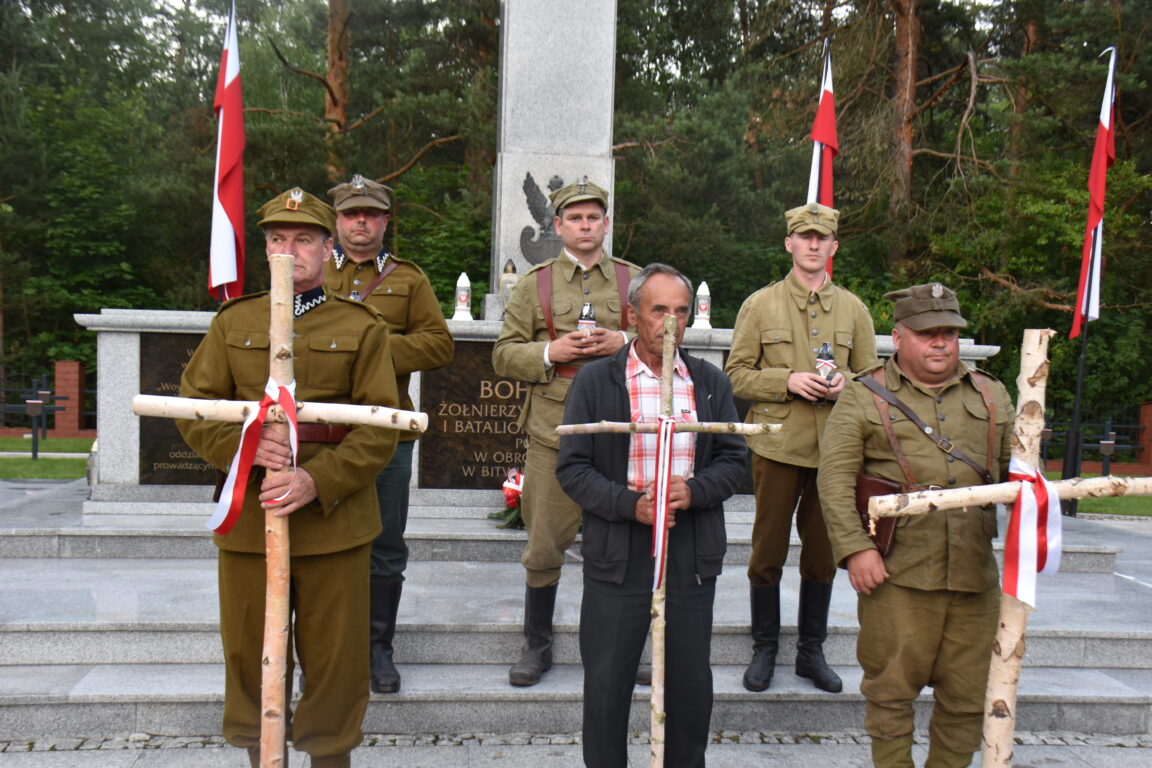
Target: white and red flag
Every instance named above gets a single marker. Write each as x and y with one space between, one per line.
226 257
1033 540
1103 155
824 143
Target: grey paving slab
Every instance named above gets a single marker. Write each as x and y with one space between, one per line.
532 756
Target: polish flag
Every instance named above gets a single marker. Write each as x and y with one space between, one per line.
1103 155
1034 537
824 143
226 259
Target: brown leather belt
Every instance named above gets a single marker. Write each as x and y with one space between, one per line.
320 433
567 371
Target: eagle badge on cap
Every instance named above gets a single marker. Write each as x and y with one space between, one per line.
583 185
295 197
358 183
937 291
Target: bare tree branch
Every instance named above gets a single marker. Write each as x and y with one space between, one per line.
364 119
306 73
292 112
648 145
416 157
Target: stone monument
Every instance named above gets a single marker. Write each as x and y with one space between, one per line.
554 123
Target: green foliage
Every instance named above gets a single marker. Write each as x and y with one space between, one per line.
107 147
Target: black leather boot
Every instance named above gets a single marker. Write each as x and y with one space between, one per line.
765 636
536 656
813 629
382 627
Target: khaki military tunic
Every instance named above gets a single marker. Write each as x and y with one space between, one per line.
933 621
550 517
778 331
519 351
341 356
948 549
341 352
419 336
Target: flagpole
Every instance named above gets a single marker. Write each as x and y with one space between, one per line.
1103 155
1073 449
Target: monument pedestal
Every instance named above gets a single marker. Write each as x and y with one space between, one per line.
143 467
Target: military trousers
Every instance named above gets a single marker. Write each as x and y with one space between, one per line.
329 604
614 623
551 519
389 550
782 489
912 638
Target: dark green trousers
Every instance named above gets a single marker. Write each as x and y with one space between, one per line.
551 519
912 638
329 595
778 486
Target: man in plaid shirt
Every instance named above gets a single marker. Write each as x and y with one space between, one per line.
611 477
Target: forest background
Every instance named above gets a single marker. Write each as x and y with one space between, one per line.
965 130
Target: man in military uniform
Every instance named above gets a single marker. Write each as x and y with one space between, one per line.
342 356
362 269
928 611
775 341
540 344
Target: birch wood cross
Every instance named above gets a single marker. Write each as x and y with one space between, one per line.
273 707
1008 648
659 622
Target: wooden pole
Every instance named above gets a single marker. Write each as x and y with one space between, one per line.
273 705
1008 648
659 622
318 413
926 502
720 428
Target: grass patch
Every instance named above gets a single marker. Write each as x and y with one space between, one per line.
20 468
45 445
1132 506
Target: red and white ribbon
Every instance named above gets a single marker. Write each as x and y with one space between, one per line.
231 501
1032 544
664 435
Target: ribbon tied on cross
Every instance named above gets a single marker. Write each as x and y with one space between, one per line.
231 500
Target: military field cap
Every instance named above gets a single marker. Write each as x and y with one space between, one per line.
931 305
813 217
361 193
297 207
578 192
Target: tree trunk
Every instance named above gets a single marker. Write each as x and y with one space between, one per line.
336 97
905 71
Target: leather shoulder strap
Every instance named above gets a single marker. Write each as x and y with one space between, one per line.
945 445
544 291
622 280
981 382
391 265
886 420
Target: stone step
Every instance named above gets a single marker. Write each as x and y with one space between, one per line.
88 611
187 699
475 538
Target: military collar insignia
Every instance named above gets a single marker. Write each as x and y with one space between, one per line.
339 258
308 300
295 197
358 183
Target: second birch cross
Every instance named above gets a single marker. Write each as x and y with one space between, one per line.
1008 648
659 593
